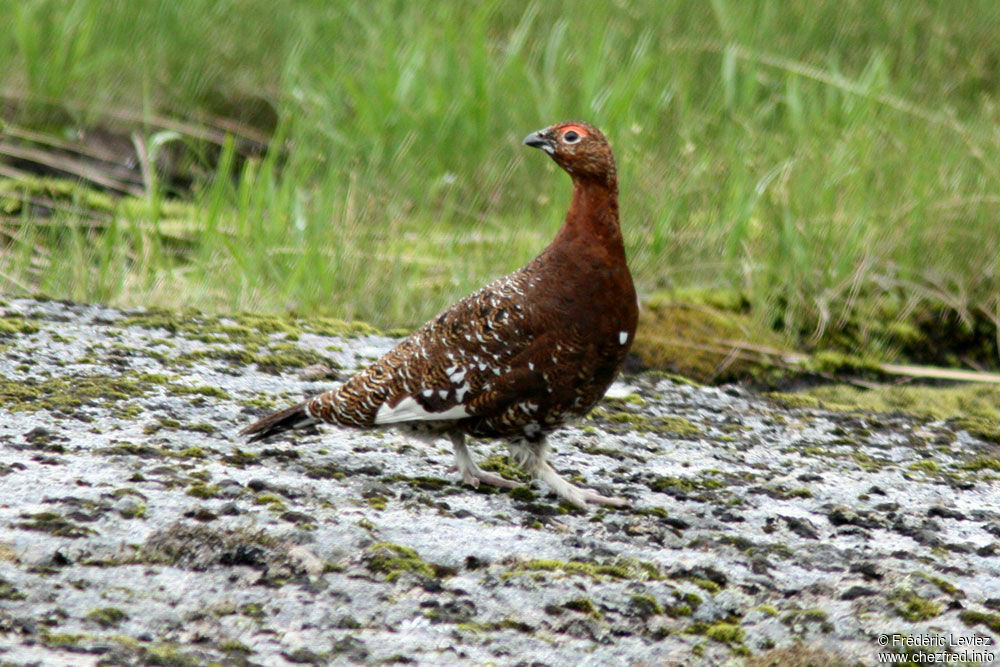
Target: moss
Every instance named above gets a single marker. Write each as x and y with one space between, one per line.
54 524
136 511
815 614
912 607
252 610
945 587
639 423
272 501
107 617
376 501
691 333
625 569
707 585
69 393
869 463
584 606
9 592
293 358
798 655
329 326
503 466
523 493
325 471
393 560
645 605
782 492
973 407
793 401
12 325
203 390
677 610
984 428
419 482
240 457
770 610
725 633
983 463
676 426
683 484
972 618
234 646
624 401
60 640
192 453
203 490
927 465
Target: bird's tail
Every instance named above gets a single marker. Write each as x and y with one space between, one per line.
288 419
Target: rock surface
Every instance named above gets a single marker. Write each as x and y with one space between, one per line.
136 528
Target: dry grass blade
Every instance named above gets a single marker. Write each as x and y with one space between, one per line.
12 172
255 139
923 372
93 152
69 166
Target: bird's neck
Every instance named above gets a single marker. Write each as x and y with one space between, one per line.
593 217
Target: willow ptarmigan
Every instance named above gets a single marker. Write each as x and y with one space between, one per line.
520 356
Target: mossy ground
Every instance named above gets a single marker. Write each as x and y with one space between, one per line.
710 336
698 335
973 407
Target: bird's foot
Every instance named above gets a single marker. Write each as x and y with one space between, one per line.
579 496
473 474
476 475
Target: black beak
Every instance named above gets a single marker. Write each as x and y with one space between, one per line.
539 140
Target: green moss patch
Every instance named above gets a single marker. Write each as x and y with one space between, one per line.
973 407
625 421
9 592
972 618
912 607
393 560
67 394
107 617
244 327
502 465
699 335
583 606
623 569
54 524
12 325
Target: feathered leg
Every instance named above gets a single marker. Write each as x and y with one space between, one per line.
532 457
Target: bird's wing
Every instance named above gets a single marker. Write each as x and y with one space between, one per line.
440 370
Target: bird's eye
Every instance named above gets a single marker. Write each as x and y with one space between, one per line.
571 137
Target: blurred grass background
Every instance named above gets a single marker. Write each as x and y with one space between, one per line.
834 164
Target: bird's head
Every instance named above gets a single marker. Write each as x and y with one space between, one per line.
577 147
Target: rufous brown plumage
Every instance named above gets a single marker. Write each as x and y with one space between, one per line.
519 357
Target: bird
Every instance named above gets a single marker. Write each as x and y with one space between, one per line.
518 358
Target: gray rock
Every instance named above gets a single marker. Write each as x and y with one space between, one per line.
128 501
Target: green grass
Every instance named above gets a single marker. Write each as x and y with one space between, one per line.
837 162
